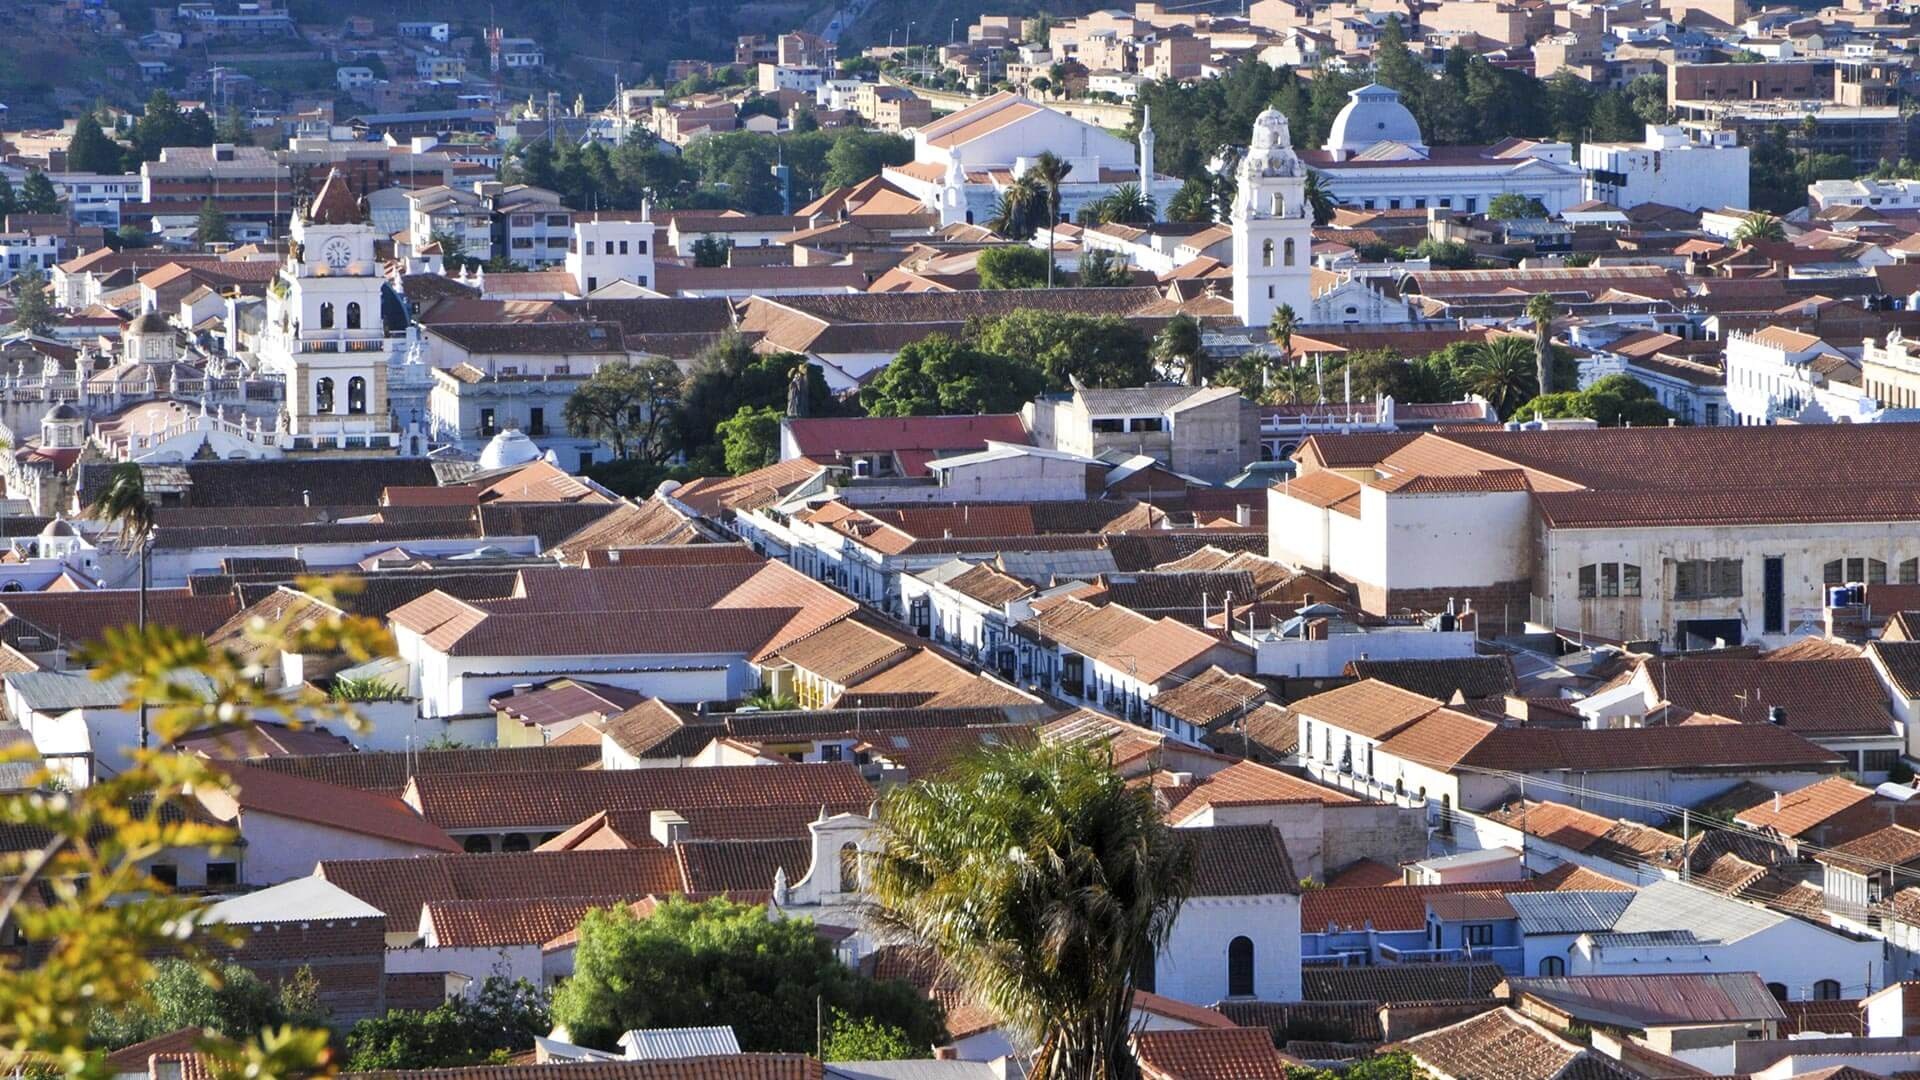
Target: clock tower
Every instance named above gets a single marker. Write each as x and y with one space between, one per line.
1272 227
324 333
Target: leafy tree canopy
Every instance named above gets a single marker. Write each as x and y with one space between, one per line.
939 375
1614 401
1101 350
718 962
466 1030
1012 266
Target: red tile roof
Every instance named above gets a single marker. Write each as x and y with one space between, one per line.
1245 783
400 886
1842 696
712 1067
1504 1045
365 812
549 802
1795 812
1233 1053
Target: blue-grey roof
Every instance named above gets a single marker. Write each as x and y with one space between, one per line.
1576 912
1669 905
652 1043
1646 939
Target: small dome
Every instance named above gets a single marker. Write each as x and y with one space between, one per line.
507 449
1373 114
57 528
64 411
151 323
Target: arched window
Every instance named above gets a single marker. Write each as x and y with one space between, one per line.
1826 990
1289 252
516 842
353 316
478 845
849 867
1266 253
356 395
323 396
1552 965
326 315
1240 967
1778 990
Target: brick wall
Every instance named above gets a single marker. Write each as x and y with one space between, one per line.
347 957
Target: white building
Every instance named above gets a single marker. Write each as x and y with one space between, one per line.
324 335
609 247
1693 171
1376 158
1272 227
1775 374
963 162
1866 191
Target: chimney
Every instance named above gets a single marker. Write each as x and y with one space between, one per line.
1776 802
669 828
1777 716
1243 515
946 1053
306 497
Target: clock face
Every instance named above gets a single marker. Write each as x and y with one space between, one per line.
337 253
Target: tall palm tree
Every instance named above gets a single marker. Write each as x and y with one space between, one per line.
1128 205
123 502
1179 345
1013 213
1502 371
1761 227
1048 172
1280 328
1540 309
1290 386
1319 197
1040 879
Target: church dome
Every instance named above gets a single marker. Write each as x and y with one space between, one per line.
58 528
507 449
1373 114
151 323
64 411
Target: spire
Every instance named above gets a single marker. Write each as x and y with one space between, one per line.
335 204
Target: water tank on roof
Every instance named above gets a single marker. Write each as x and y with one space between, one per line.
507 449
1837 596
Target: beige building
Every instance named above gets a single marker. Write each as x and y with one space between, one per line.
1209 433
1511 24
1890 371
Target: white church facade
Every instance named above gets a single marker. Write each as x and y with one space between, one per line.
1377 159
1272 227
962 162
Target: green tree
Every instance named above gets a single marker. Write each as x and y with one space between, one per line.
1502 371
1042 879
1513 206
90 151
132 236
1541 311
1319 197
719 962
1099 350
1193 202
161 125
751 438
1049 170
1760 227
867 1039
1126 204
1614 401
37 195
632 406
1280 328
711 251
212 226
180 995
939 375
728 376
9 202
32 305
1014 266
504 1016
1014 211
1104 268
1179 348
1445 254
857 155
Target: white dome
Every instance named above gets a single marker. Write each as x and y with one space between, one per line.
507 449
58 528
1373 114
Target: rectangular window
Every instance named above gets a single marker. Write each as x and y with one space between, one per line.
558 221
589 247
523 242
165 873
623 247
1609 579
486 422
1587 589
221 875
1477 935
639 247
830 752
1879 761
537 422
1629 579
1700 579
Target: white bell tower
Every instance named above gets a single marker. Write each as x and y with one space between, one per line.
1272 227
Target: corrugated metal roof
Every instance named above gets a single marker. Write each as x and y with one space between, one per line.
1568 912
650 1044
1669 905
1642 1001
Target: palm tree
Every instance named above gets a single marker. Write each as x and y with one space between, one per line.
1179 345
1760 227
1502 371
1129 205
1290 386
1048 172
1319 198
1280 329
124 503
1040 879
1012 214
1540 310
